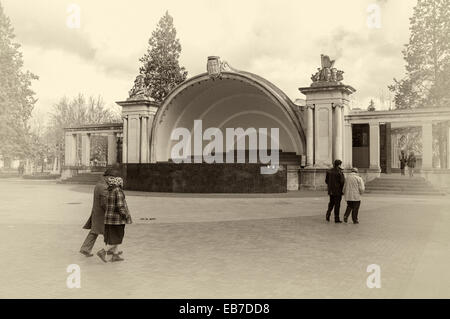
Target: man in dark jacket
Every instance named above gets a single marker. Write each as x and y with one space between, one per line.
335 181
96 222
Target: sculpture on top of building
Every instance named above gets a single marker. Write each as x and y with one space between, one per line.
215 67
139 90
327 74
371 106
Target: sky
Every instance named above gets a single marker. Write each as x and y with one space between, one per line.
279 40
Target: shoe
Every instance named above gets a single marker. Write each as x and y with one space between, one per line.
86 253
116 257
109 252
338 221
345 220
357 222
327 217
102 255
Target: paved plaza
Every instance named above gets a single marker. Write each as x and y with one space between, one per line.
224 246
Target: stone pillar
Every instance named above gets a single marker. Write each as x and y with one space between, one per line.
144 140
374 150
151 156
427 145
328 123
310 136
125 141
293 182
448 148
112 149
138 119
134 136
338 133
55 166
86 149
348 146
70 149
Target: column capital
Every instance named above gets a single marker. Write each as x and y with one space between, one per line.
337 105
310 106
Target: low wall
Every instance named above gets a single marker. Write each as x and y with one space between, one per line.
437 177
313 178
203 178
369 174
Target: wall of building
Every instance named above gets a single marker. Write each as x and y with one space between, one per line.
203 178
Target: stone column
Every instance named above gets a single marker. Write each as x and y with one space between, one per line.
86 149
328 123
338 135
137 129
427 145
112 149
68 150
310 136
144 140
134 138
348 146
125 141
374 145
448 148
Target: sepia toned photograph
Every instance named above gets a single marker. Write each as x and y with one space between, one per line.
209 149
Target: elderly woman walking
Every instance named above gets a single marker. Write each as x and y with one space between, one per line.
116 216
353 189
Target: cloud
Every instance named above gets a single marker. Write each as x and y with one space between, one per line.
278 40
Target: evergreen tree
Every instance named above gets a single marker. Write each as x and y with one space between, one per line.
427 56
16 97
161 69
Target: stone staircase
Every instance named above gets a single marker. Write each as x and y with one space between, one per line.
83 178
402 185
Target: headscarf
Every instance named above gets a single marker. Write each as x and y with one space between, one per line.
114 181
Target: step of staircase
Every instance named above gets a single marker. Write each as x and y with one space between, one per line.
83 178
402 185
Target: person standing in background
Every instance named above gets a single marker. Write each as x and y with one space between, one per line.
403 160
411 164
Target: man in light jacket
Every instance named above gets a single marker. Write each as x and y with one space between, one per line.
353 189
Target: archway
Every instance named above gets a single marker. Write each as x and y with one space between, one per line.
233 100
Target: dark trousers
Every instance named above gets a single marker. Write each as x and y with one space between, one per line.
89 242
335 201
353 207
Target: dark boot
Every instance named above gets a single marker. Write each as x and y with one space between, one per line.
102 255
87 254
109 252
116 257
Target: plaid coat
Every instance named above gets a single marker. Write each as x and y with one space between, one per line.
116 208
